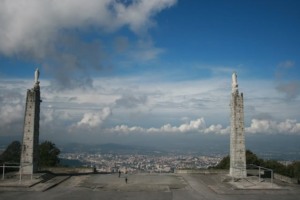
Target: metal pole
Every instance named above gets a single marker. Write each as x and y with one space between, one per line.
272 177
20 174
258 173
3 170
31 174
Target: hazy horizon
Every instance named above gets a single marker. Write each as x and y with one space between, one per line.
264 146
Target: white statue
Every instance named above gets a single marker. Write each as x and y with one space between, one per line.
234 82
36 75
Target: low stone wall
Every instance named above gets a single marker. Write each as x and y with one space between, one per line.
220 171
68 170
285 179
200 171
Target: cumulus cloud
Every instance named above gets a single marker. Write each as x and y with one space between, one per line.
92 120
32 24
193 127
138 14
48 32
124 129
266 126
217 129
198 126
10 114
49 116
11 107
156 108
11 119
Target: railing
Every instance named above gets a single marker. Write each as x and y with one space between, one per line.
254 168
260 169
14 165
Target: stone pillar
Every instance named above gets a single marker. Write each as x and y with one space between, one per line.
237 136
29 152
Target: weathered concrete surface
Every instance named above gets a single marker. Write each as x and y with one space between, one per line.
237 135
38 182
152 186
68 170
201 171
29 150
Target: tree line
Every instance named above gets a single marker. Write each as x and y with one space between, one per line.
292 170
48 154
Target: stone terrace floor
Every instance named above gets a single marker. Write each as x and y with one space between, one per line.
151 186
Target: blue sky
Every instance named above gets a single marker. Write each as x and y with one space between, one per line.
118 70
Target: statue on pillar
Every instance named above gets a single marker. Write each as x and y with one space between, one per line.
36 77
234 83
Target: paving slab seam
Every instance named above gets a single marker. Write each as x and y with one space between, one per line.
57 183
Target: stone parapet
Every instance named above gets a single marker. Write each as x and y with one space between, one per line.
200 171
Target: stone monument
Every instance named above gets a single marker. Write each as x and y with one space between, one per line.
29 152
237 136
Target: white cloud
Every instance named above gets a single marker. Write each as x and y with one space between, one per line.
50 115
50 32
266 126
92 120
198 126
194 127
124 129
32 25
10 114
141 105
11 106
138 15
217 129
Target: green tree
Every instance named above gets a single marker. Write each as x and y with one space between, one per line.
224 163
48 154
295 169
292 170
12 153
276 167
252 158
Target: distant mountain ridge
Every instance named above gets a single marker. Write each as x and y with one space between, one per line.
265 146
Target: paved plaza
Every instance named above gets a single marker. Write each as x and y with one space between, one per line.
147 186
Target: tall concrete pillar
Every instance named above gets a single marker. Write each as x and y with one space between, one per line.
237 136
29 153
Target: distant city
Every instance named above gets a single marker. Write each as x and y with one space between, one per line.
136 159
139 163
112 157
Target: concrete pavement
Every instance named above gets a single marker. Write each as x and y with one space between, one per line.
152 186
